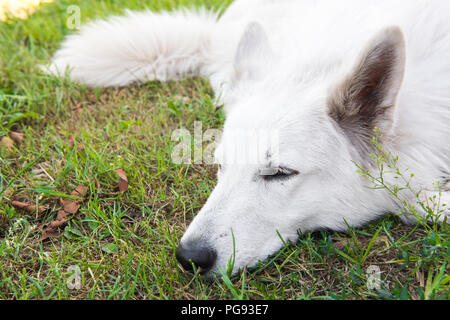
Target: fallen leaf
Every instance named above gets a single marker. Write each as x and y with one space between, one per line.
17 137
49 233
50 230
71 143
7 142
123 181
70 208
28 207
78 107
79 191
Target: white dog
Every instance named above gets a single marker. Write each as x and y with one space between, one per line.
323 74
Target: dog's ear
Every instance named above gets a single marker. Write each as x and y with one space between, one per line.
253 52
366 98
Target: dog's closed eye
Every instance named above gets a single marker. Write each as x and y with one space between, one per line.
277 174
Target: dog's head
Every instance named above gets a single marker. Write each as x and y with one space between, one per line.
297 172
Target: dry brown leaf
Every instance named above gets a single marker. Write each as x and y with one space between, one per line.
70 208
59 221
51 233
28 206
50 230
63 215
78 107
71 143
79 191
123 181
17 137
7 142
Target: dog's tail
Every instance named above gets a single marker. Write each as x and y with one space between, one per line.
139 46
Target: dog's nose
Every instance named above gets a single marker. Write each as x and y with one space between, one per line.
202 257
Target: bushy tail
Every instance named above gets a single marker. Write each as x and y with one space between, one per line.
139 46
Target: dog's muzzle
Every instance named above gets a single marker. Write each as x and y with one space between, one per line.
202 257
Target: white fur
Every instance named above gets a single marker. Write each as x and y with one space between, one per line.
139 46
278 77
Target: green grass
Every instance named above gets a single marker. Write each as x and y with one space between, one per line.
124 244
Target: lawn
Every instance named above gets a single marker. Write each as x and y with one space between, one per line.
120 239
